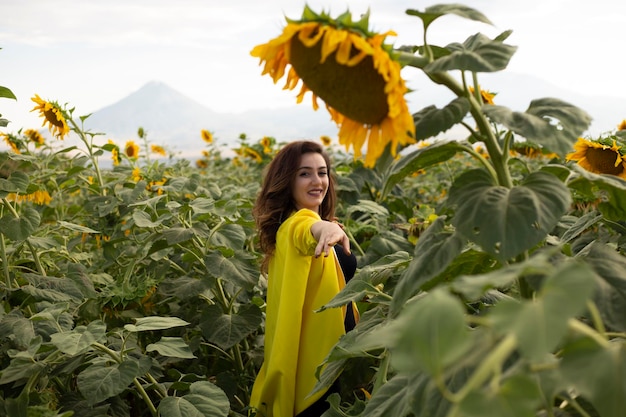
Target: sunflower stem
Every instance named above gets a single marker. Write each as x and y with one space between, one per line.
411 60
89 145
353 241
596 318
381 375
491 365
482 160
38 264
5 264
496 156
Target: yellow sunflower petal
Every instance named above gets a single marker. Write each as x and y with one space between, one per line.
332 40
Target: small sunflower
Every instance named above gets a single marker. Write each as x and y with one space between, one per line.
131 150
531 151
352 71
206 136
622 125
248 152
115 153
202 163
266 142
35 137
11 141
326 140
53 115
486 96
602 156
158 150
156 186
40 197
136 174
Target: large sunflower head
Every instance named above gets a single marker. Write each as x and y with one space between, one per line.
601 156
53 115
352 71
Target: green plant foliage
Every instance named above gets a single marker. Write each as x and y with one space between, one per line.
537 124
490 281
507 221
477 54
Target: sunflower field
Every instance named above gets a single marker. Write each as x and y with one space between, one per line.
491 274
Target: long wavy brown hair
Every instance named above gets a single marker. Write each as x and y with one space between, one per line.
275 201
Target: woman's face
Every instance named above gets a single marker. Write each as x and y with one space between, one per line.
311 183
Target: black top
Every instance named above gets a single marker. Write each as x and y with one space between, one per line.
348 266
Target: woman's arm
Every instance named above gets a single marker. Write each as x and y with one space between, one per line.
327 235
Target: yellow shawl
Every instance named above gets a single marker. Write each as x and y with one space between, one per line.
297 339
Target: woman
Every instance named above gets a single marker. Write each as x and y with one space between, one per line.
294 214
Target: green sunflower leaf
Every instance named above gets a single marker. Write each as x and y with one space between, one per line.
173 347
17 182
143 324
80 339
101 381
20 228
598 373
432 13
430 121
610 297
6 93
613 206
477 54
204 400
237 267
364 282
506 222
226 330
416 160
142 219
429 334
436 248
517 396
549 122
539 324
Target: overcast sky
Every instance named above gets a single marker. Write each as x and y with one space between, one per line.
92 53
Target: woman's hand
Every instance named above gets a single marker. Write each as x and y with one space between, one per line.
328 234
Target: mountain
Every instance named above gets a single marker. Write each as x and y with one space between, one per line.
516 91
174 120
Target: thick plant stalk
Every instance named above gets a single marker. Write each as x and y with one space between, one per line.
496 154
5 264
90 153
491 364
